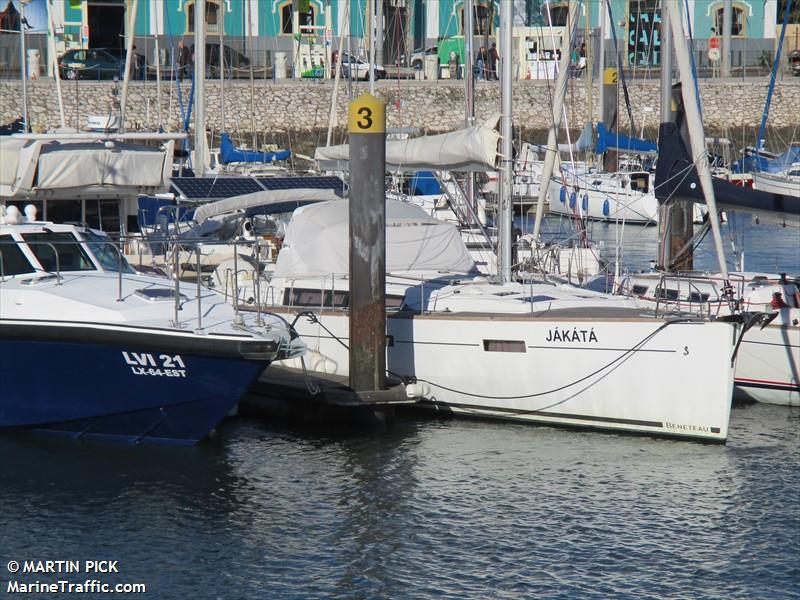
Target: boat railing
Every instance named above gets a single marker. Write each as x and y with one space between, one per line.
687 281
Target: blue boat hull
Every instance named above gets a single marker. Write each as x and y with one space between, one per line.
120 386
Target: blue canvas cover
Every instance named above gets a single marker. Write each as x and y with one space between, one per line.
228 153
424 183
608 140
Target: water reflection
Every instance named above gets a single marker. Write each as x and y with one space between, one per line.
423 509
766 246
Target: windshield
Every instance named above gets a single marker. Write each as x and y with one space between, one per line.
58 251
106 252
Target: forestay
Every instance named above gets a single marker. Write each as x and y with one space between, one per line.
317 242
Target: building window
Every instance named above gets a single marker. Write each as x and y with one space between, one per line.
559 14
306 18
737 20
213 15
482 20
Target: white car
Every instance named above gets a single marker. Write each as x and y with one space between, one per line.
360 68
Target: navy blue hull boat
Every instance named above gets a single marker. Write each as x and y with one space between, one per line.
91 349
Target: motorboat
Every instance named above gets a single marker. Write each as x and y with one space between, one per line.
93 350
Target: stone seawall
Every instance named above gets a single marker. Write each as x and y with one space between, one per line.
430 106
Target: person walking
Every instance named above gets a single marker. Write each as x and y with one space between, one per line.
184 59
480 63
494 59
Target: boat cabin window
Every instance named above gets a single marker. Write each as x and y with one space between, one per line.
640 290
503 346
640 182
666 294
71 257
12 259
320 298
106 253
698 297
329 299
394 301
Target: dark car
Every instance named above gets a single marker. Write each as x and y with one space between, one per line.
90 63
794 62
235 62
137 62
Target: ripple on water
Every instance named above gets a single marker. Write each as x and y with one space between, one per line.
424 509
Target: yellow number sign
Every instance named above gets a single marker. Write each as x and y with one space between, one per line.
367 114
610 76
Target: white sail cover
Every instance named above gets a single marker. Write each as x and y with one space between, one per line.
265 198
82 168
317 242
471 149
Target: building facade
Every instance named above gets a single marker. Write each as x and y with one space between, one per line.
311 29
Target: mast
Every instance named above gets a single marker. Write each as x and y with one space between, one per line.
337 77
506 214
696 131
379 32
130 10
558 106
200 88
222 70
469 84
773 76
23 67
372 32
601 55
727 22
252 80
56 75
675 219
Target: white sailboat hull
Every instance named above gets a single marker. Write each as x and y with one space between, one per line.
601 204
775 183
768 360
516 367
768 366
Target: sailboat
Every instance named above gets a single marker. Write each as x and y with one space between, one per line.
768 366
535 352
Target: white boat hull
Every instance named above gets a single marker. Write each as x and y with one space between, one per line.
768 360
505 367
602 204
768 366
775 184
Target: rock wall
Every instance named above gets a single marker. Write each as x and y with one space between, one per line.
431 106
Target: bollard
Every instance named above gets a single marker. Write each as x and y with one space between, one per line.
366 125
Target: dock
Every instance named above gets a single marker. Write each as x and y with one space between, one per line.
310 396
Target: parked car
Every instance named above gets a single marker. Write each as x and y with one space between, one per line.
359 67
794 62
235 62
90 63
416 60
137 63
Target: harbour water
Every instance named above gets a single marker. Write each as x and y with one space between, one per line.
425 508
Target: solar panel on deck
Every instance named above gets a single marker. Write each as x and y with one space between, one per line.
215 187
293 183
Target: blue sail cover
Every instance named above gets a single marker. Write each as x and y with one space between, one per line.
424 183
753 161
228 153
607 140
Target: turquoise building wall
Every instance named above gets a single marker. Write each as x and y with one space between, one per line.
173 16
